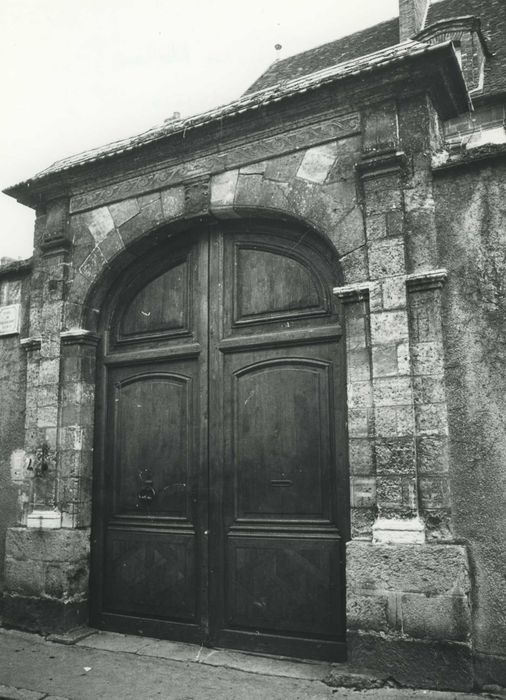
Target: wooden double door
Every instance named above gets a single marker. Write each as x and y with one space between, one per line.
220 505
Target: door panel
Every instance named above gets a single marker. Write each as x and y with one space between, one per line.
285 474
220 509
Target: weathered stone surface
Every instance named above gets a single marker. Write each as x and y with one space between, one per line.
361 456
438 617
432 454
428 569
354 266
99 222
283 169
395 455
62 545
359 365
363 492
172 202
392 391
223 188
359 394
389 327
415 664
431 419
386 258
111 245
318 162
394 421
43 614
367 612
360 422
124 211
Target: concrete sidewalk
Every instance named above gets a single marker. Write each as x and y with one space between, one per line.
91 665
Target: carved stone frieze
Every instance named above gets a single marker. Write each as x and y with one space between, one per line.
213 163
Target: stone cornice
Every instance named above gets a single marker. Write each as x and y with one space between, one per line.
79 336
353 292
422 281
31 344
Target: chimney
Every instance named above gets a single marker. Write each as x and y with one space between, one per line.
412 14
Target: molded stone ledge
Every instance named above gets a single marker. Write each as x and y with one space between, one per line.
30 344
79 336
423 281
353 292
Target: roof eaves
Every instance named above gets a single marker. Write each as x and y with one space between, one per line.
248 102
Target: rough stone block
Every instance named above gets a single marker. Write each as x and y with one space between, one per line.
93 265
376 227
359 394
124 211
432 454
44 614
367 612
354 266
394 292
392 391
361 456
24 577
360 422
428 390
65 581
431 569
317 163
111 245
431 419
172 202
386 258
414 663
395 455
389 327
283 169
99 222
389 492
33 545
223 188
394 421
434 492
358 365
427 358
349 234
438 617
363 492
384 361
362 520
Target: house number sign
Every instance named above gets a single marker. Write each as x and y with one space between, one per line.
9 319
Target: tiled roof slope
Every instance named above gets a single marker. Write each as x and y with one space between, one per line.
491 12
298 84
349 47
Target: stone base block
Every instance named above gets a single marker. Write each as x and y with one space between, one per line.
414 663
490 670
420 591
43 615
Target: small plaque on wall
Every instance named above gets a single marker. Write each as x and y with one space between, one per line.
9 319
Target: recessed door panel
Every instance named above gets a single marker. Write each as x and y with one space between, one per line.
151 574
271 283
285 473
153 420
162 305
284 586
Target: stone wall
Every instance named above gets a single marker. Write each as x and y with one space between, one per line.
13 497
471 217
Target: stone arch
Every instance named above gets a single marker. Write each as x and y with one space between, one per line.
106 237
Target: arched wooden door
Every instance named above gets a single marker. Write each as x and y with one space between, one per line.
220 505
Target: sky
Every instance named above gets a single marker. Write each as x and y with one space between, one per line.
77 74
